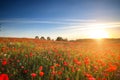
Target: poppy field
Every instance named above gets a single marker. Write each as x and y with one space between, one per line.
34 59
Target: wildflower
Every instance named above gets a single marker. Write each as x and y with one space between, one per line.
62 68
68 79
41 74
31 54
26 56
105 74
86 61
75 60
53 72
59 72
73 70
65 63
18 61
51 67
77 69
57 65
104 79
89 76
41 68
3 49
33 74
25 71
95 68
22 67
78 63
4 77
111 68
4 62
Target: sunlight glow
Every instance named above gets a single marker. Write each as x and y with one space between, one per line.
98 34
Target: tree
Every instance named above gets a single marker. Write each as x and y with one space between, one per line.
42 38
48 38
59 39
36 37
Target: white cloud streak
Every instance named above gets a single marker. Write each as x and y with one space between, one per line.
87 26
59 21
71 24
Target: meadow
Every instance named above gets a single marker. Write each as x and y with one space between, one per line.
34 59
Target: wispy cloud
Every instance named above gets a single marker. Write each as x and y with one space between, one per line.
29 21
70 24
79 20
92 25
37 20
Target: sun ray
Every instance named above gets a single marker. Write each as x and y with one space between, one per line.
98 34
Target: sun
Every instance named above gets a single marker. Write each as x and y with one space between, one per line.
98 34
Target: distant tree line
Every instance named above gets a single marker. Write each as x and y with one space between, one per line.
48 38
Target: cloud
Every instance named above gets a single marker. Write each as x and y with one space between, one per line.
37 20
92 25
69 24
79 20
28 21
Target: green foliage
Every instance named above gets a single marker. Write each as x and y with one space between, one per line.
36 37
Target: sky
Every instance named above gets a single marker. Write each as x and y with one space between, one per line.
72 19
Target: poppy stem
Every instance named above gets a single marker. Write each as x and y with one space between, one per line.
32 78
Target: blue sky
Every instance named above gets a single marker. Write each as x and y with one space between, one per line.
67 18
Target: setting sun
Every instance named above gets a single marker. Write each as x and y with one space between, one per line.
98 34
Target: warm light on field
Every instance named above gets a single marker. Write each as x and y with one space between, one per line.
98 34
34 59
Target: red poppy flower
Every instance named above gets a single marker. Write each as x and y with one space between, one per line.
4 62
25 71
59 72
3 49
111 68
57 65
33 74
4 77
89 76
41 74
53 72
51 67
65 63
31 54
41 68
86 61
